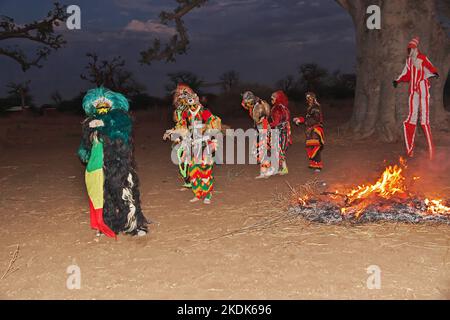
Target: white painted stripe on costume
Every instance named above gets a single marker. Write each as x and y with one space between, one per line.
420 71
128 197
410 107
415 108
409 147
421 103
423 113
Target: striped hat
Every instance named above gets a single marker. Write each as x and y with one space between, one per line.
414 43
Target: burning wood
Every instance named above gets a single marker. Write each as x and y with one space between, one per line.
389 198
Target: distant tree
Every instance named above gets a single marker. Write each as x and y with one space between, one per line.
348 81
56 98
341 85
144 101
73 105
229 80
41 31
287 84
8 102
187 77
111 74
227 103
20 91
312 76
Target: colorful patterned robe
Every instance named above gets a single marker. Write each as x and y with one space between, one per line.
315 137
201 162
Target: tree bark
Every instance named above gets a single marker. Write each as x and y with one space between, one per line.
380 57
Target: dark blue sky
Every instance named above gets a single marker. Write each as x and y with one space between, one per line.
264 40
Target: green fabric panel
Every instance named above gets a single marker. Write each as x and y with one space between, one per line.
183 167
96 159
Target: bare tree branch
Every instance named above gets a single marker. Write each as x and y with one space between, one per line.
229 80
111 74
11 267
187 77
42 32
179 43
20 57
287 84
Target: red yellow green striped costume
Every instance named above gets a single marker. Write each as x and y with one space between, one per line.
94 177
201 165
315 137
202 180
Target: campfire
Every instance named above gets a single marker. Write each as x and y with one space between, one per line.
389 198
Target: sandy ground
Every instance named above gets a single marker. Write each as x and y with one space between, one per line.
43 209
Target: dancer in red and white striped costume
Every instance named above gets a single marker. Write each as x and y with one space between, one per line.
417 71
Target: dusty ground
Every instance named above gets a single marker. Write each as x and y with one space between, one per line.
43 209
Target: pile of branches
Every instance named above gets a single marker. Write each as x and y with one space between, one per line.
327 212
314 204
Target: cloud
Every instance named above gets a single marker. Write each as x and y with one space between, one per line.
148 6
150 26
222 5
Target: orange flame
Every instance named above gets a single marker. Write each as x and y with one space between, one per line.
436 207
303 201
391 183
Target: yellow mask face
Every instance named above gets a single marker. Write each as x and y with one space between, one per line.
103 108
248 104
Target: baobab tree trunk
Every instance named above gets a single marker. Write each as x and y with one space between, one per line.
378 107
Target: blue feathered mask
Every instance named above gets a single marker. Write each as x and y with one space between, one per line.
102 100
